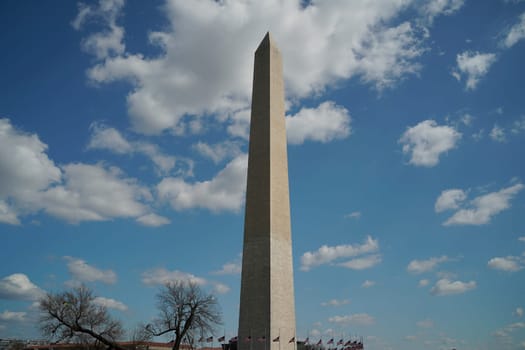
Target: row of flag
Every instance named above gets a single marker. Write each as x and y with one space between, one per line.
210 339
348 345
247 339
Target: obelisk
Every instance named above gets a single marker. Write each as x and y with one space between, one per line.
267 308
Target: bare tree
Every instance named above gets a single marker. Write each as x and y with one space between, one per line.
74 316
186 312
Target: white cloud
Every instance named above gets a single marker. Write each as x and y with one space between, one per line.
107 138
335 302
423 283
109 42
161 276
481 209
518 125
467 119
153 220
89 193
314 333
446 7
25 169
518 312
7 214
368 284
225 192
426 141
75 192
221 288
410 337
202 71
515 33
361 319
427 323
12 316
110 303
103 137
497 134
449 199
473 66
505 331
521 239
83 272
362 263
327 254
18 287
508 263
420 266
164 163
325 123
230 268
353 215
387 56
447 287
219 151
478 135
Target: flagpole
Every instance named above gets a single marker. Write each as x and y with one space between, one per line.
265 340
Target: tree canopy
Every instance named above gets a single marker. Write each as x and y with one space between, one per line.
186 312
74 316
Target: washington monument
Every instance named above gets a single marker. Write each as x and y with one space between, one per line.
267 310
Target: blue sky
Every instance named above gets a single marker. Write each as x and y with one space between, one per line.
123 140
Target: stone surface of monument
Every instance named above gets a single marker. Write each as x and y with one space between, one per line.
267 307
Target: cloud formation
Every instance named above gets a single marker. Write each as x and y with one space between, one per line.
515 33
507 263
13 316
472 66
449 200
368 284
420 266
225 192
161 276
325 123
108 42
18 287
361 319
497 134
426 141
480 210
25 169
230 268
81 271
74 192
107 138
326 255
335 302
201 71
445 286
110 303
